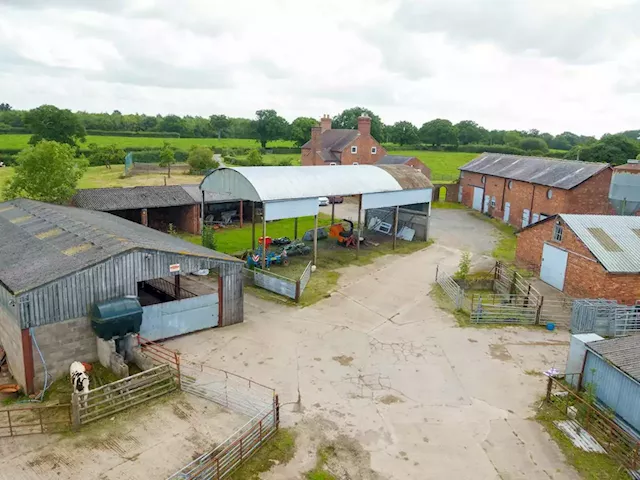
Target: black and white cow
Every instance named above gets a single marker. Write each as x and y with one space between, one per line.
79 377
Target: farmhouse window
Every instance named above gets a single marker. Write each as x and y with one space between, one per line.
354 149
374 150
557 233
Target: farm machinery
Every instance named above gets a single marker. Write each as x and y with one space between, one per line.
344 236
272 258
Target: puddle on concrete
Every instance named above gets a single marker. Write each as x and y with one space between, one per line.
343 360
389 399
499 352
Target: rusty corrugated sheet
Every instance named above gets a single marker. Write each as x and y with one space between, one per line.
232 298
408 177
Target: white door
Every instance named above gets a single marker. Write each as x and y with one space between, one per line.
487 199
477 198
525 218
554 266
507 212
460 194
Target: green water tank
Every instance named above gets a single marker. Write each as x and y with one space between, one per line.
117 317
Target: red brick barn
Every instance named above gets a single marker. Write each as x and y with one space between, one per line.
330 146
522 190
586 256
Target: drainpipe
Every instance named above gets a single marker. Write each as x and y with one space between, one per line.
27 357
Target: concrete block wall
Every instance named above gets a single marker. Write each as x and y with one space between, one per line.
61 344
11 341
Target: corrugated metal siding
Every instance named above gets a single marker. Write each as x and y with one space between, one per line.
620 228
232 297
73 296
614 389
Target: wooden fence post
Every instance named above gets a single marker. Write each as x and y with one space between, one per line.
539 311
549 387
297 290
75 409
437 268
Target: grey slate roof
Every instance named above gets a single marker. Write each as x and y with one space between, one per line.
598 231
42 242
393 160
333 142
209 197
564 174
623 352
110 199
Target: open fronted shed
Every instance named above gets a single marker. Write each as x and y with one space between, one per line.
292 192
57 262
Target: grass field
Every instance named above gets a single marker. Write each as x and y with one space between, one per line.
21 141
442 164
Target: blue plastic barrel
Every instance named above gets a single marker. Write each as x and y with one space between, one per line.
551 326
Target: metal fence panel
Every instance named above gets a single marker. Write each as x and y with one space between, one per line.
451 288
305 277
607 318
34 419
272 282
504 308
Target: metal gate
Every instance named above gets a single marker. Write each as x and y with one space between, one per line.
170 319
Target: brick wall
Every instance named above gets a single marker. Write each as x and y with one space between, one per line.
11 341
364 155
591 196
61 344
451 195
585 277
189 219
426 171
308 159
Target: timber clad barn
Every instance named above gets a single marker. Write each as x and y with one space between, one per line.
522 190
57 262
586 256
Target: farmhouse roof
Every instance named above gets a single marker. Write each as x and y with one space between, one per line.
43 242
394 160
613 239
564 174
334 141
622 352
130 198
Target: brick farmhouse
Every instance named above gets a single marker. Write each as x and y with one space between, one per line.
330 146
586 256
521 190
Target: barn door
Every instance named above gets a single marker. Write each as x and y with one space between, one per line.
507 212
525 217
554 266
487 199
477 198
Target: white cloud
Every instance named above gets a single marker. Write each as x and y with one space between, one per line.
555 66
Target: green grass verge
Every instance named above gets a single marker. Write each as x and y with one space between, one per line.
280 449
505 250
589 465
319 472
22 141
448 206
443 165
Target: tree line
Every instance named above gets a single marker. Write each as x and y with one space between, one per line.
268 126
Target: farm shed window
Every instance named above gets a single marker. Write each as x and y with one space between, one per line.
493 202
354 149
484 179
549 194
374 150
557 233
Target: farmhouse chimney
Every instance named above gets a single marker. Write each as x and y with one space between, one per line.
325 123
364 124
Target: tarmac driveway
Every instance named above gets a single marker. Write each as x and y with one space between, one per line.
398 388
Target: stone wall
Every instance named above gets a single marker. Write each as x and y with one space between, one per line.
11 341
61 344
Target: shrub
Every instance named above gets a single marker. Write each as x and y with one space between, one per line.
464 266
285 162
254 158
201 159
208 237
147 156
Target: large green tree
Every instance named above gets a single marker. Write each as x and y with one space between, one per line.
301 130
469 132
51 123
220 124
269 126
5 107
534 143
107 155
349 119
48 171
614 149
403 133
438 132
201 159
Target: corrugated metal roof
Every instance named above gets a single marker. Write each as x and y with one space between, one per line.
132 198
564 174
623 352
42 242
394 160
613 239
287 183
209 197
408 177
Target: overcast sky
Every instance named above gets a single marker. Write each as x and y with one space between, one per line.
554 65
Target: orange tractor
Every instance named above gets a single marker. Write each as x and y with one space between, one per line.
344 237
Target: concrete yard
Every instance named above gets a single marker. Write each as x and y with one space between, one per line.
151 442
381 370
